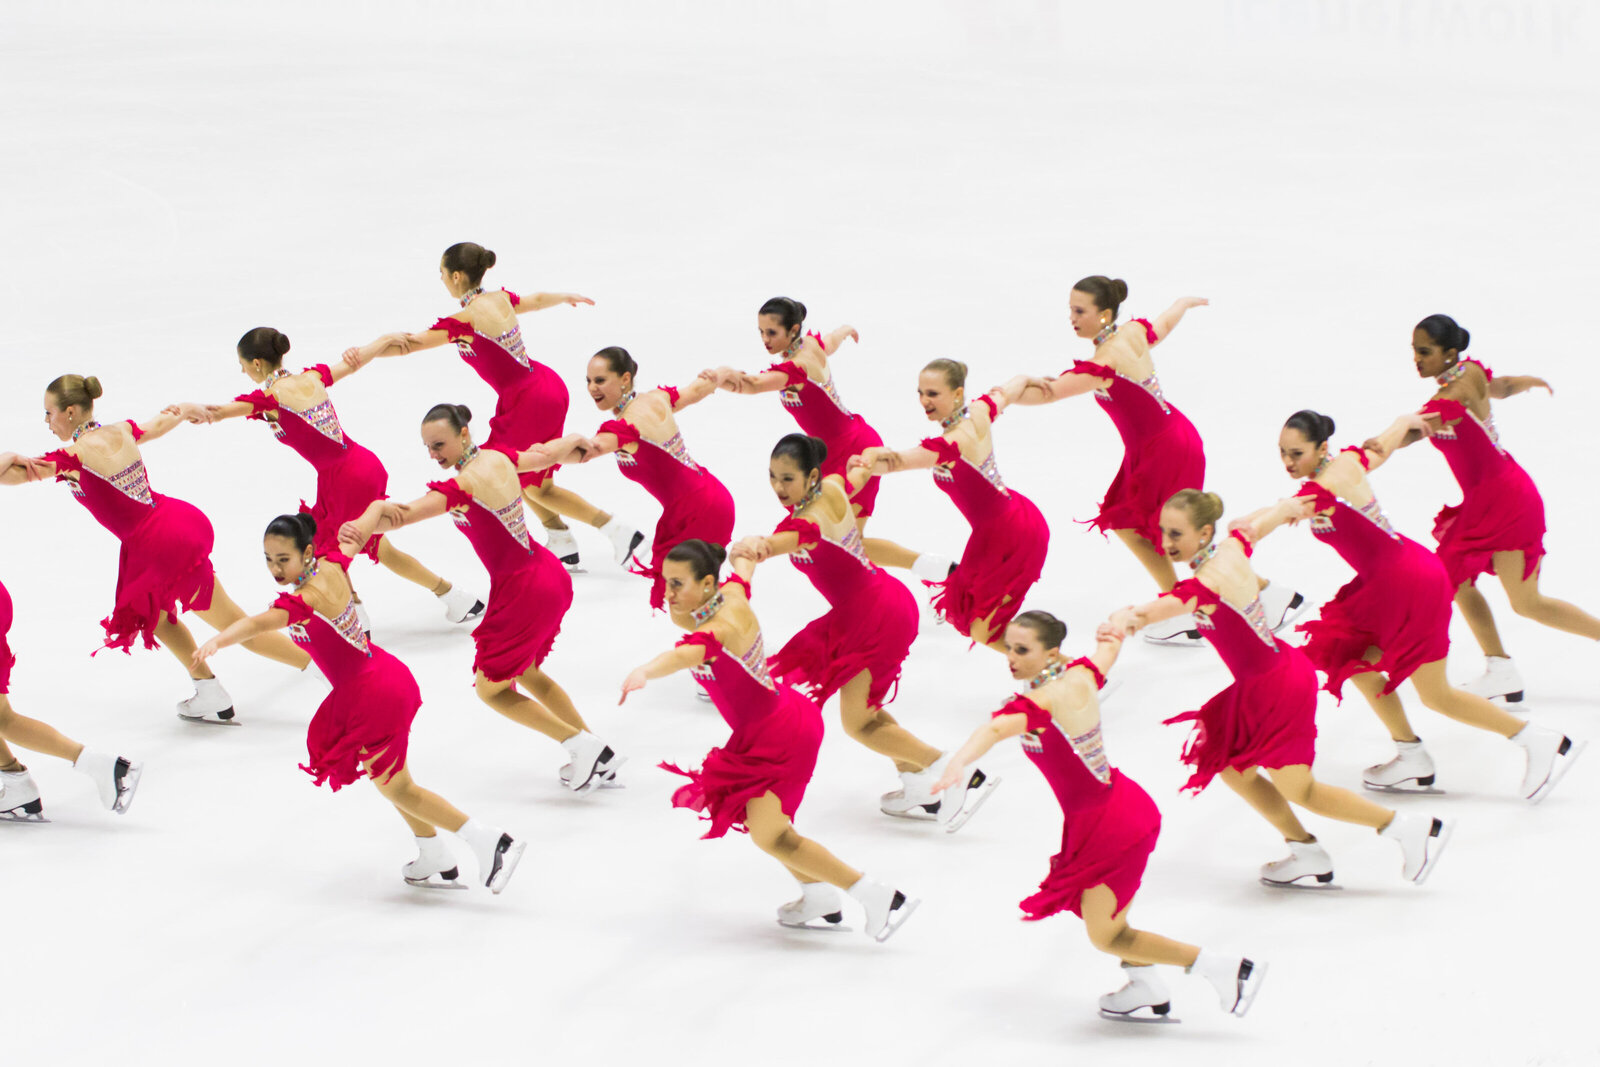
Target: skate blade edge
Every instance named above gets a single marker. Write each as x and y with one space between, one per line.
14 818
1143 1020
1312 887
965 814
425 884
1559 772
199 720
1399 791
819 927
905 910
916 815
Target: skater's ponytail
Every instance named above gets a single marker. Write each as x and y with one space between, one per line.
1445 332
1050 630
1108 293
954 371
457 415
703 557
74 390
791 314
1204 509
300 528
806 452
266 344
468 258
618 360
1313 426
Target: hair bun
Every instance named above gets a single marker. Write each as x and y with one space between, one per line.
1327 426
91 386
1464 337
488 259
463 413
719 553
799 309
280 343
1119 289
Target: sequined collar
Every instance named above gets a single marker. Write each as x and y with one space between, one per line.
794 346
84 428
1048 675
1454 372
806 501
467 457
1104 333
946 423
306 575
470 295
622 405
702 614
1323 464
274 376
1202 557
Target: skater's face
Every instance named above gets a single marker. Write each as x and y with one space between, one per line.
1300 456
684 592
789 481
1085 315
774 335
285 559
1179 538
445 443
1025 652
606 386
1431 358
938 400
61 420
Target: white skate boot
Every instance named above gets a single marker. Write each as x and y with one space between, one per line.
1422 839
1182 632
913 800
115 777
961 801
1308 866
625 539
1500 680
210 703
19 798
434 867
1411 771
497 852
1281 605
461 606
364 618
932 568
1143 1000
818 900
887 908
563 545
592 762
1237 979
1550 756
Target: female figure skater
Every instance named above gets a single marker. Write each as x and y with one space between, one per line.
1266 720
1109 825
1392 622
531 400
115 777
363 727
1006 551
650 451
301 415
755 781
529 590
165 564
858 647
1498 528
1162 452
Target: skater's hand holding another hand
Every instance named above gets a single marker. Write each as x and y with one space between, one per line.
196 413
755 548
1123 620
1107 632
634 682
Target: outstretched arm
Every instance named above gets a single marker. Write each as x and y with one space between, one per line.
834 338
243 630
158 425
1108 646
1512 384
16 469
881 460
696 391
1164 323
1262 521
762 548
1408 429
1128 620
681 658
737 381
540 301
573 448
977 746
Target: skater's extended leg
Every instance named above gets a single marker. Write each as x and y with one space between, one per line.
1263 796
1153 561
1297 786
1109 932
33 735
878 730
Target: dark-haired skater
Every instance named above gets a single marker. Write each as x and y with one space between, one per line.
650 451
755 781
858 647
1392 622
363 727
164 567
529 591
349 477
1109 825
1498 528
531 399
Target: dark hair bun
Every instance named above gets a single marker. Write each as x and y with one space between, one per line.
457 415
1119 290
487 259
1446 332
790 312
280 343
1313 425
91 386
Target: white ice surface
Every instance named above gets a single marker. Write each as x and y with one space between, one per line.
938 175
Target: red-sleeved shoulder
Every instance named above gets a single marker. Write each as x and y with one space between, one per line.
1487 373
1448 410
64 461
1361 456
1038 718
454 495
792 372
1244 542
513 297
947 451
1196 590
1088 664
734 579
809 532
1094 370
134 426
259 401
1320 493
672 393
817 337
324 373
505 450
994 409
1149 330
453 326
705 640
334 556
626 433
299 611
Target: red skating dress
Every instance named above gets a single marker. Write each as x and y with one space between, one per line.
1162 452
821 413
1006 552
374 697
8 659
529 590
1500 509
869 626
165 562
1268 716
349 477
1399 600
777 731
1109 826
694 505
530 398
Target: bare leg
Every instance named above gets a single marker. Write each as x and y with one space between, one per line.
1388 708
1158 565
552 497
33 735
1262 795
1109 932
1437 693
1480 619
544 689
1297 786
888 554
983 633
878 730
523 710
410 569
547 518
223 612
808 861
1527 601
420 808
176 638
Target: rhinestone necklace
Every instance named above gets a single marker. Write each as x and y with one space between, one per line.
84 428
1049 674
703 613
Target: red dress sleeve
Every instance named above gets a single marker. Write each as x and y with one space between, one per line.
1244 542
452 326
1448 410
1361 456
1094 370
260 402
1487 373
1318 492
334 556
994 409
625 432
324 373
792 372
817 337
505 450
513 297
672 394
134 426
1196 590
1088 664
734 579
1038 719
64 461
299 611
809 532
947 450
1149 330
707 641
454 495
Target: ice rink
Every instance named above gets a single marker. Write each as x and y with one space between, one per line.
1327 172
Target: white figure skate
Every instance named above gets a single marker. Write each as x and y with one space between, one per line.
1550 756
1500 681
461 606
1422 840
592 762
434 867
962 800
1281 605
1143 1000
564 546
913 799
19 798
1411 771
818 901
114 777
887 908
1237 979
497 852
1308 866
210 704
625 539
1181 632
